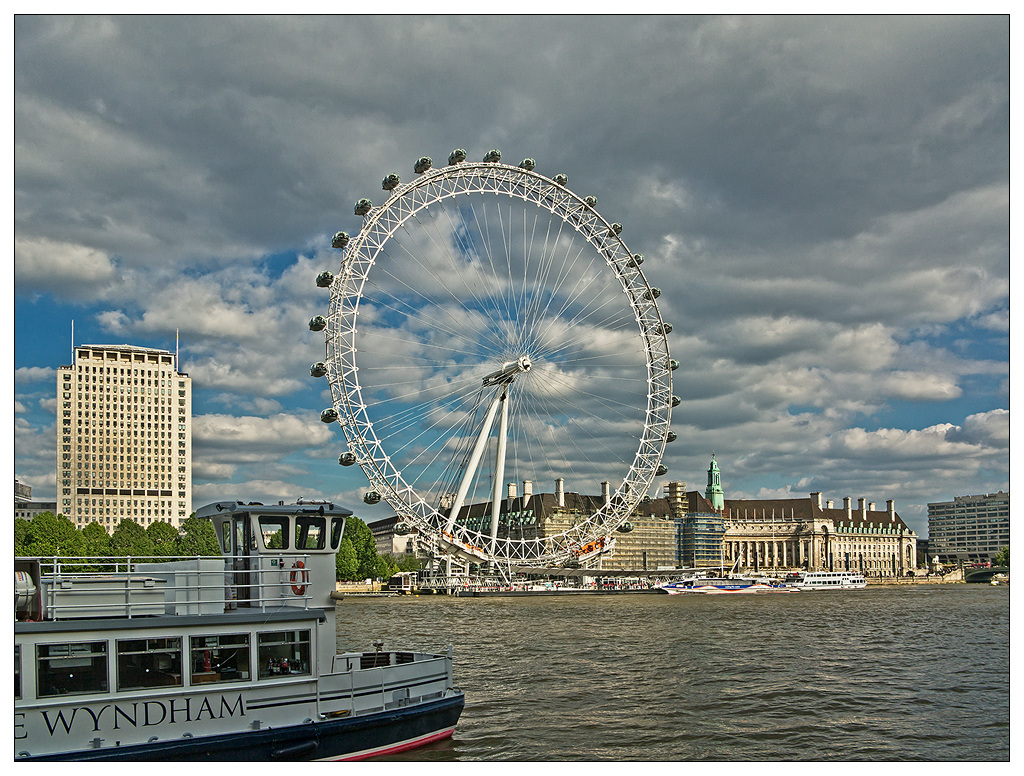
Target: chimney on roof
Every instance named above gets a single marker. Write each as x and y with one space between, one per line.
862 508
512 490
606 492
527 488
890 507
830 504
817 498
871 506
847 505
560 492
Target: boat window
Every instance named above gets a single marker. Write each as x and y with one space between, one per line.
70 669
310 532
148 663
283 652
220 658
17 671
337 529
275 532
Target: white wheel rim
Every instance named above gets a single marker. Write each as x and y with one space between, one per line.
387 419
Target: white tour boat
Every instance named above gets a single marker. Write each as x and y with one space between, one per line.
230 658
826 580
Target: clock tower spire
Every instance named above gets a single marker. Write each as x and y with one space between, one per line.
714 493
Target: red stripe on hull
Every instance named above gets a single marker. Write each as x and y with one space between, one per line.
403 746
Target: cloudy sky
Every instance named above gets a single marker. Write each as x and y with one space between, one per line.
823 201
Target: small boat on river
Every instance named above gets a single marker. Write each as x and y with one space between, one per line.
826 580
727 585
205 658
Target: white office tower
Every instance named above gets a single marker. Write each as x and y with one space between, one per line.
124 437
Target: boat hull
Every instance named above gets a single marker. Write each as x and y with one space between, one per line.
354 738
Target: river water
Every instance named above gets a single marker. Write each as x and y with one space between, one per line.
889 673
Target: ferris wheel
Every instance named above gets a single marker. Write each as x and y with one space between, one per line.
489 329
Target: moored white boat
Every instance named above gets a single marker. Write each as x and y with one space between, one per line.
826 580
230 658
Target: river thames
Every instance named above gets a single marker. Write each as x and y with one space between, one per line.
920 672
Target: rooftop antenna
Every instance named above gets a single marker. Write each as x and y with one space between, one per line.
72 340
176 366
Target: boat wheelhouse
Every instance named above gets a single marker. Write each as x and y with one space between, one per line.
230 658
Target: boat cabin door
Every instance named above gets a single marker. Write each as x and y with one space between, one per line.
244 559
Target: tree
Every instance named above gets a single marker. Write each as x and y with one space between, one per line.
164 537
130 539
22 536
54 535
1003 557
409 563
97 540
198 538
345 562
364 545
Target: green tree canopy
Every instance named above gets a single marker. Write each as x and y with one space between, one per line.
130 538
54 535
345 562
1003 558
22 536
197 538
365 547
164 537
97 540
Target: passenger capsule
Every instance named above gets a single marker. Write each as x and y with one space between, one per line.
457 156
324 279
317 323
340 240
652 293
372 497
637 260
673 364
676 401
319 369
402 528
561 179
592 201
422 165
528 164
391 182
347 458
625 527
671 436
662 470
665 328
363 207
493 156
329 415
615 229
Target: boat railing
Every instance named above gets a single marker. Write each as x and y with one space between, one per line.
59 588
364 683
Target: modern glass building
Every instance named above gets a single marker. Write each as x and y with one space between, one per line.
970 529
701 540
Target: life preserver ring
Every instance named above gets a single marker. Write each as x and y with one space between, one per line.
299 577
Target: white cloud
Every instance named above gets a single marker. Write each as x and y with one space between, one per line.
66 269
35 374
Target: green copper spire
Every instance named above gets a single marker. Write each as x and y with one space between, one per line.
714 490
